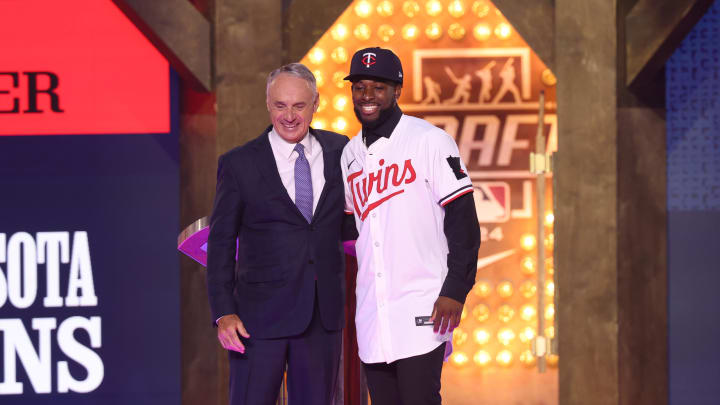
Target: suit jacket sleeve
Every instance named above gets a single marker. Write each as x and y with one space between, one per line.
222 243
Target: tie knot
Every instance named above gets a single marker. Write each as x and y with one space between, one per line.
299 148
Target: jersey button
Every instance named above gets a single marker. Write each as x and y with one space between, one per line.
379 275
374 214
377 244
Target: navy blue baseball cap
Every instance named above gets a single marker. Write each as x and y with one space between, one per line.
375 63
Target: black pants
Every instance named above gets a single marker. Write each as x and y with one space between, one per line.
313 360
411 381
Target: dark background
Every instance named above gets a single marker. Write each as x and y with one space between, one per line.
693 148
123 190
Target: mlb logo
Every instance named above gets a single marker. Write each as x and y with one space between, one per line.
492 201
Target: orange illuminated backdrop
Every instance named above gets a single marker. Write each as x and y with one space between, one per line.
57 78
467 71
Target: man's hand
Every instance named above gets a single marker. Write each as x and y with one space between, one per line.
228 328
446 314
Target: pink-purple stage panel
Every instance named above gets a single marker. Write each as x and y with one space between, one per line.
193 241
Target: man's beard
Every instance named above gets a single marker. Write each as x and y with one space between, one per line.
382 117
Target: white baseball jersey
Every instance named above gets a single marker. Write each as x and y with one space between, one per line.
396 189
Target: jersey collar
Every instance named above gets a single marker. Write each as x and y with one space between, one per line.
385 129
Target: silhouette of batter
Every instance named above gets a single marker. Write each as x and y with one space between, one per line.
433 90
507 75
462 88
485 75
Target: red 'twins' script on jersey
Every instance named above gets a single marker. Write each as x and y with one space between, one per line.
383 184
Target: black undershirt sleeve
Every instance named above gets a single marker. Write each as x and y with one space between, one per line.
462 232
349 229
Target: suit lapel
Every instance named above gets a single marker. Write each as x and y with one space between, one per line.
328 163
265 162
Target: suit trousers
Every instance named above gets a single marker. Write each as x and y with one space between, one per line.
312 358
410 381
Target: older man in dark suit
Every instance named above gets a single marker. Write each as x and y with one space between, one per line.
282 300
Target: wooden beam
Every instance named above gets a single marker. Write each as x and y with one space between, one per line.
535 22
653 30
248 46
611 218
179 32
305 21
586 225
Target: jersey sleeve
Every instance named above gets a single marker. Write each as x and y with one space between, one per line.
349 209
449 176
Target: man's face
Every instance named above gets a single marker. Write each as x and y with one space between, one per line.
291 104
371 96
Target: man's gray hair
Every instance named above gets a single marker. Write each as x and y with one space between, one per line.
297 70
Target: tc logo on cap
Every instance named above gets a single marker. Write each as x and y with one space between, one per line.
368 59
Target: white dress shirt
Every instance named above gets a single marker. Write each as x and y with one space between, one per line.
285 156
397 189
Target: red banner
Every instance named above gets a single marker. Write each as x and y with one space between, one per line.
78 67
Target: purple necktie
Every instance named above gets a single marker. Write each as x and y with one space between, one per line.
303 184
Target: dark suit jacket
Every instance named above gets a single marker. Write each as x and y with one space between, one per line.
271 286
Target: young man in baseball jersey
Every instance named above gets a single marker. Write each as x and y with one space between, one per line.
418 236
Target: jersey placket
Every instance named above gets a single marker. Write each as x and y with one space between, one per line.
377 246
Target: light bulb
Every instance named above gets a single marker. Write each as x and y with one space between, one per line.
433 8
363 9
362 32
316 55
456 31
339 32
385 8
433 31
